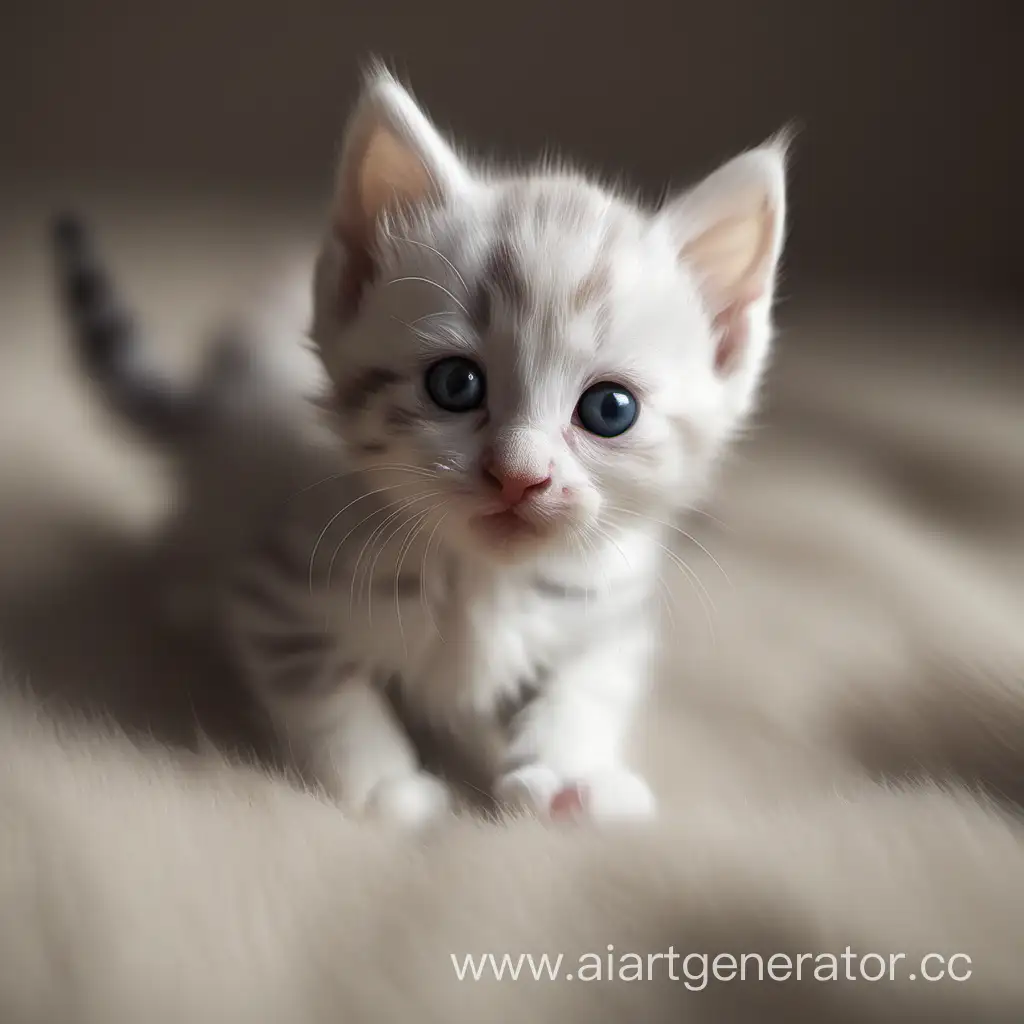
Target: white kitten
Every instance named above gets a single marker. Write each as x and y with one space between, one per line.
529 375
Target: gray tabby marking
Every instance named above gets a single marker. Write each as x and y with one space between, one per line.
358 392
277 555
290 645
564 591
529 688
260 588
503 275
400 418
311 676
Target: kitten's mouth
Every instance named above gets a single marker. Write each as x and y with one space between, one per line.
505 527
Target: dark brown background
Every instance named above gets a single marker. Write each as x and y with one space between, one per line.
906 169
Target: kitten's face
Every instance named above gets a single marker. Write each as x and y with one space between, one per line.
540 355
523 361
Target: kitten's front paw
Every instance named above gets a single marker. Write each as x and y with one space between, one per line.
614 794
409 800
530 788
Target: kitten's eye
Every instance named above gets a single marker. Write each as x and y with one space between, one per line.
607 409
456 384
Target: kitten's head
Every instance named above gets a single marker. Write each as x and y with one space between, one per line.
533 356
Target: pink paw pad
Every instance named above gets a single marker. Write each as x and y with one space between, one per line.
569 802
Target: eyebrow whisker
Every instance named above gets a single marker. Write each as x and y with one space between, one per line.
440 256
440 287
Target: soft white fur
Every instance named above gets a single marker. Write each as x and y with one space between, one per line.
673 303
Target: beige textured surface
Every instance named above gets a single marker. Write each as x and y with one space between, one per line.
872 531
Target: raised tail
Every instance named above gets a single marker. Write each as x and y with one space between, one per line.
112 350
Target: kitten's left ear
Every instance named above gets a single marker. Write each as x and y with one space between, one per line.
392 158
729 230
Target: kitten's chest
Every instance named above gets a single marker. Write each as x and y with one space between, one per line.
464 641
465 638
472 642
502 641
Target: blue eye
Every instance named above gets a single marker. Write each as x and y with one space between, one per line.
607 409
456 384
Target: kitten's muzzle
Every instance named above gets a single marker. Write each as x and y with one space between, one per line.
514 483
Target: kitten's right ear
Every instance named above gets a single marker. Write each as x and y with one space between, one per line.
729 230
392 158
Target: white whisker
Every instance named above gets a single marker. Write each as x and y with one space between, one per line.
604 535
430 339
430 316
371 540
403 551
666 596
372 568
611 540
341 543
664 593
417 470
423 574
440 256
707 515
337 515
680 531
695 581
427 280
578 543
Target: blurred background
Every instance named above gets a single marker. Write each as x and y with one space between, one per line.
905 173
876 514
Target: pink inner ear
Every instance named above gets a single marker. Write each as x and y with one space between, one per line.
733 327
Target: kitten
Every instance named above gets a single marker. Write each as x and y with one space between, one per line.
527 375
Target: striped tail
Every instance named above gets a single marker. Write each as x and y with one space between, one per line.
113 352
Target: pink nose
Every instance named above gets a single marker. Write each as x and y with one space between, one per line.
514 483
